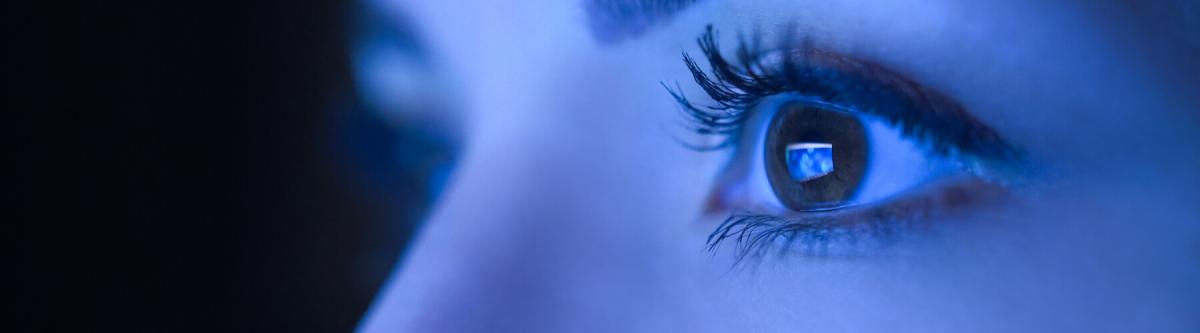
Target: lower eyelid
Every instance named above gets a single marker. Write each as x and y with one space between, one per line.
946 196
854 231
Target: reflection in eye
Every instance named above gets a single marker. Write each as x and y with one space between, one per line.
807 161
833 155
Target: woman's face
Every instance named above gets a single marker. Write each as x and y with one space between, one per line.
860 165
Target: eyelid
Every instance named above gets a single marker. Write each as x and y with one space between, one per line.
853 232
837 80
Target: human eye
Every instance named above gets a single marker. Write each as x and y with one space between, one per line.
833 155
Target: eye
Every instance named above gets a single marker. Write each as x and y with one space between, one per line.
814 157
824 144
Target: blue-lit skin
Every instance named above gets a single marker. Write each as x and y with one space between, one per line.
575 208
809 160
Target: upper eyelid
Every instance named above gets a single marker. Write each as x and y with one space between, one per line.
839 79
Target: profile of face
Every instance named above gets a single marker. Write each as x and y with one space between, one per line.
795 165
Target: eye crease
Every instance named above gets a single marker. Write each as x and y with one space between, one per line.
825 144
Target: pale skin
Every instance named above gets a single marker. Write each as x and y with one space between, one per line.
574 208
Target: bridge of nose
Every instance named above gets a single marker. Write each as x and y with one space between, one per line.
570 205
555 228
565 212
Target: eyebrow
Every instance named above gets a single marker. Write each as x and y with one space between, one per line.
612 21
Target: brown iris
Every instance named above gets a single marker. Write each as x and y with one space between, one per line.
796 122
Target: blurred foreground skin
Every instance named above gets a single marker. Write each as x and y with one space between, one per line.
574 208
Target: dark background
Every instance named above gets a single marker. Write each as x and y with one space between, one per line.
197 166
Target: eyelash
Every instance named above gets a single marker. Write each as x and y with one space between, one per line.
737 87
854 234
755 233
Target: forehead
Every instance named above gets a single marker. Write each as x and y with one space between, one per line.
479 25
964 48
620 19
529 38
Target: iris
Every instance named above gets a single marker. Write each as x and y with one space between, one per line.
804 170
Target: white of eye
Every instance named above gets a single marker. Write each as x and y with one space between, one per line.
895 163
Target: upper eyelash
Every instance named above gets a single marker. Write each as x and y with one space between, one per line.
737 86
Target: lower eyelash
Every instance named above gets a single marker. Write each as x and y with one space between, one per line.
756 235
849 232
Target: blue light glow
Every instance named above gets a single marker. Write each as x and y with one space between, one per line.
808 160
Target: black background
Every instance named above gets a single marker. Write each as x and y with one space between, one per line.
181 166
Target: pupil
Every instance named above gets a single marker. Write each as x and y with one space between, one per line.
804 169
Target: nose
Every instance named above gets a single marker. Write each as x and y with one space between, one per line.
540 230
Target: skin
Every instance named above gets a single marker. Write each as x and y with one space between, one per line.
574 208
